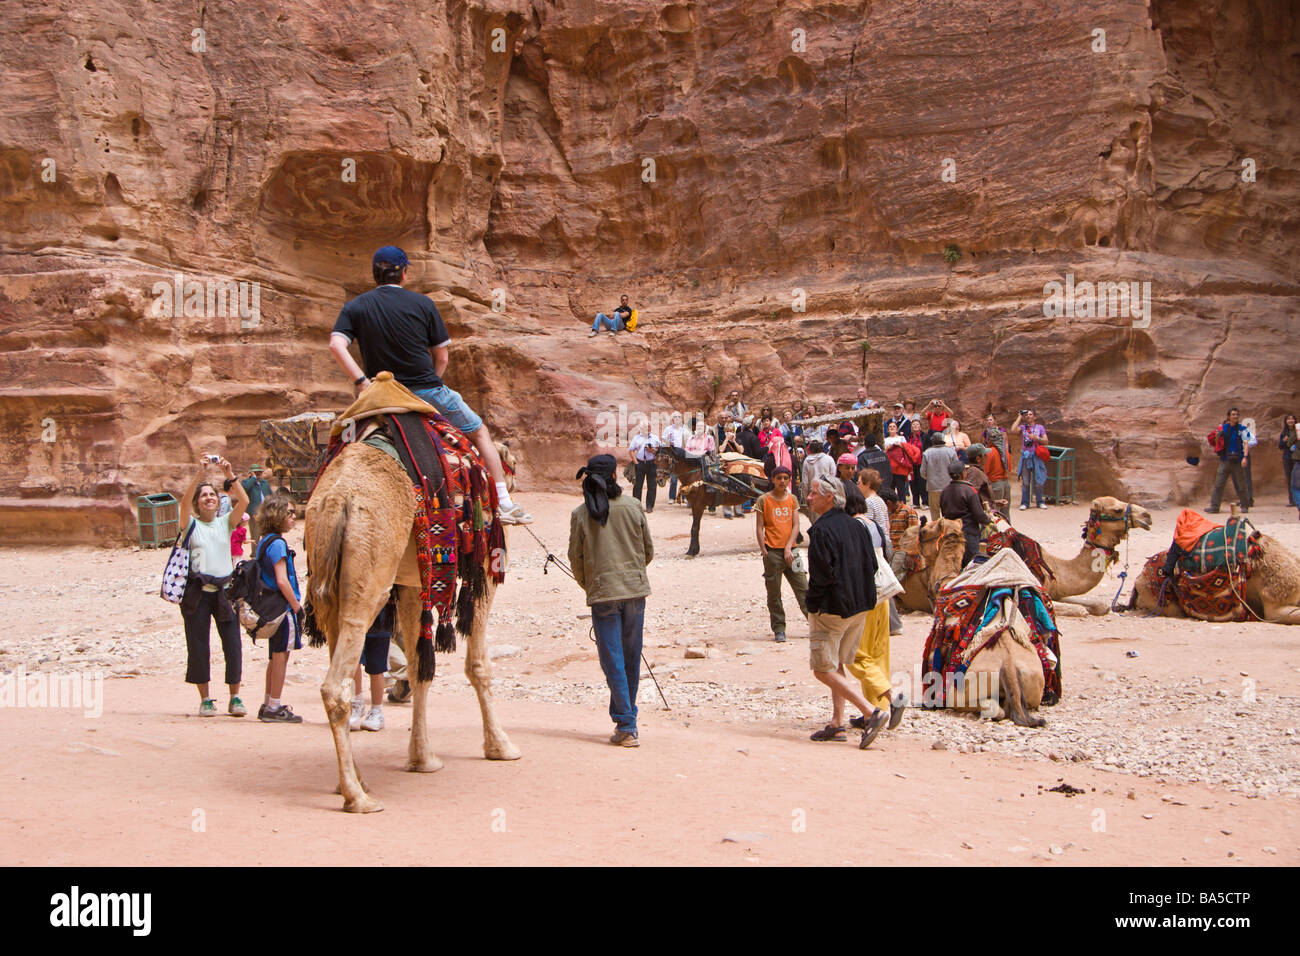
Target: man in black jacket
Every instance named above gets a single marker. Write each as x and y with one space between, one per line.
841 590
960 501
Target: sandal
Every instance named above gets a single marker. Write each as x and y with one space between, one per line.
830 732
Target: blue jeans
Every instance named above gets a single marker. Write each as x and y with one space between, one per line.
1033 475
618 640
672 487
451 406
614 324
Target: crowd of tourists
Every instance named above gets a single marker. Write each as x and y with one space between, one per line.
862 488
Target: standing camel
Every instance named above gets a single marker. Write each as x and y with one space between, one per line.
359 544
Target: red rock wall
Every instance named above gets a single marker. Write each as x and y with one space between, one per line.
521 169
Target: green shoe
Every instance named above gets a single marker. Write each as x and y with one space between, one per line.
237 708
208 708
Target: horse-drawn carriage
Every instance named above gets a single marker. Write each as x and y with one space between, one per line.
295 448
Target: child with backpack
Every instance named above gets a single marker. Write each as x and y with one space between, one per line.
275 565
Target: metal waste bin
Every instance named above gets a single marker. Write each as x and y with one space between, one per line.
158 517
1059 488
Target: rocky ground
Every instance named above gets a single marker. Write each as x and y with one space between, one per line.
1203 712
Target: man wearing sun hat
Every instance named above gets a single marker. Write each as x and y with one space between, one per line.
400 331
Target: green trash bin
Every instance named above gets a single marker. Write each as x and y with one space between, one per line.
1059 489
158 517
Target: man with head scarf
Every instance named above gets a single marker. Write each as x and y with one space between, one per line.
609 548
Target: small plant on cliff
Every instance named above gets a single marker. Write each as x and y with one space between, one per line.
951 253
695 283
865 346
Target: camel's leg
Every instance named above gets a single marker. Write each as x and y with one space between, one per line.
496 745
1276 613
698 498
365 582
1013 694
420 758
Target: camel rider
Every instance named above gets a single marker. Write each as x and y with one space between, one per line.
400 331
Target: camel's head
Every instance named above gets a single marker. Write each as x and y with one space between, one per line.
933 534
1115 517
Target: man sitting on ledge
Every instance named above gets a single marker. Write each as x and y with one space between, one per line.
615 322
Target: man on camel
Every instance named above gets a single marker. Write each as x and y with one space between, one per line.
400 331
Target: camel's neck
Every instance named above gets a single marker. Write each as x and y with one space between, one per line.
1089 565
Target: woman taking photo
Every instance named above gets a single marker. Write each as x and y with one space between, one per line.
210 567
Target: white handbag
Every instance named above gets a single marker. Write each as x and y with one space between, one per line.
177 571
886 581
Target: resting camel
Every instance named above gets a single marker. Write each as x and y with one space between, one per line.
942 537
1005 679
1107 527
1272 593
358 540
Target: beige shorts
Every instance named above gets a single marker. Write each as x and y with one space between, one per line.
833 640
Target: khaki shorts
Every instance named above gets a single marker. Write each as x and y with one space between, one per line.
833 640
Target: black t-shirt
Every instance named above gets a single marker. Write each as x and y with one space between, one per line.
624 310
395 328
749 442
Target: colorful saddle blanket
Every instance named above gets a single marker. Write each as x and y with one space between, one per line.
1236 543
1212 596
458 535
960 613
1030 551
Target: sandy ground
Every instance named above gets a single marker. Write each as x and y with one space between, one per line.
1185 753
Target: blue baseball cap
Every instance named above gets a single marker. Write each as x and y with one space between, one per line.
391 255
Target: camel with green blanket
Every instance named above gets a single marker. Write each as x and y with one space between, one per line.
1233 573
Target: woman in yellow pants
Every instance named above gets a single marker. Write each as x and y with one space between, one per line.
871 662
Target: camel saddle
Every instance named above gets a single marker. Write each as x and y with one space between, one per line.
383 396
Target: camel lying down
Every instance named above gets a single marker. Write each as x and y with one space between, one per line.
1004 680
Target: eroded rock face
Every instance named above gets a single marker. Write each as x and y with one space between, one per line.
708 159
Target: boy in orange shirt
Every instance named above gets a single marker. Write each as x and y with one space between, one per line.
776 516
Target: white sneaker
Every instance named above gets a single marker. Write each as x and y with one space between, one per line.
1024 507
514 515
612 334
592 333
358 709
1044 507
374 720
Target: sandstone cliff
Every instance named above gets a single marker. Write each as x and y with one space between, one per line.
706 158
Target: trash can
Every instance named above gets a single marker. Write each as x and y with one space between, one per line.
158 517
1059 489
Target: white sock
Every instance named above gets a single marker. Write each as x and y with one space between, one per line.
358 702
377 709
266 700
273 703
503 493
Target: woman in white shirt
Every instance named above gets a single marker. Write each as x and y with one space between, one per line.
211 565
